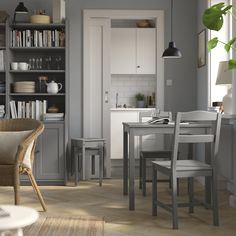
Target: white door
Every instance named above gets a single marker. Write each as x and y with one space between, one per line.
96 83
123 51
146 51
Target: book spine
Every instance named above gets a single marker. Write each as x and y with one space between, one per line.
19 109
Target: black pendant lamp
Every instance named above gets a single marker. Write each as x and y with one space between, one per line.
172 51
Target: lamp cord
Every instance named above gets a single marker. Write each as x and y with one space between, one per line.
171 28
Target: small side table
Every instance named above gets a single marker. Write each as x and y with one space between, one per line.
92 146
18 218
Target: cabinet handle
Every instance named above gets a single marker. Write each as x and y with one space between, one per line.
138 66
106 97
36 152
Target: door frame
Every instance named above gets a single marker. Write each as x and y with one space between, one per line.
158 17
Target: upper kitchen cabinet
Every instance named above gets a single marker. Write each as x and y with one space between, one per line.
133 51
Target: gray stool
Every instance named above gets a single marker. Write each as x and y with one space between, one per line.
91 146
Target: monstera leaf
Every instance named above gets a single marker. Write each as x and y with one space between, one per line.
232 64
213 16
212 43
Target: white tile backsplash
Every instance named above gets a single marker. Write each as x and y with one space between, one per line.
127 86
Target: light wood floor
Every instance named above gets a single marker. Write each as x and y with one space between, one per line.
109 203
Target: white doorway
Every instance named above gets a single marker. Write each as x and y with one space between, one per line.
97 71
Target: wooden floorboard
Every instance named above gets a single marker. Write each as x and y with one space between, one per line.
108 202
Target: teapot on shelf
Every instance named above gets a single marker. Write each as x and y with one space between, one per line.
53 87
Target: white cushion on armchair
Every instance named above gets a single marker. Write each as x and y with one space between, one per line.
9 142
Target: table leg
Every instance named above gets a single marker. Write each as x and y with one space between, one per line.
105 160
131 172
125 162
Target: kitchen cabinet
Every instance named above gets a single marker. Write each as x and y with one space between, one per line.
118 116
133 51
49 159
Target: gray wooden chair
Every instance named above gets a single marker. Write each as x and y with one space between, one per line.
189 168
147 154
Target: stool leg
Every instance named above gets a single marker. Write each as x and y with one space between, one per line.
83 162
101 166
76 163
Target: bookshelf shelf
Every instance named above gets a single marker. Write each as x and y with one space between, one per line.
37 26
37 94
37 71
2 48
2 71
37 48
2 94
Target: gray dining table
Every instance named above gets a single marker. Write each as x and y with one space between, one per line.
130 130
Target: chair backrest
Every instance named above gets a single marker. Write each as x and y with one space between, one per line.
208 135
30 128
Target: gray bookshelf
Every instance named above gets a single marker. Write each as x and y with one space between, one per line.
50 156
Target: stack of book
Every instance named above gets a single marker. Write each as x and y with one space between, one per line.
2 87
54 116
2 111
32 109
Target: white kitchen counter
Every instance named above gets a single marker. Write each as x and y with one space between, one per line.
131 109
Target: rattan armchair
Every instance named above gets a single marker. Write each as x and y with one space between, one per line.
11 169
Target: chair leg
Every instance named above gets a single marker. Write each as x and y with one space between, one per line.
191 194
144 176
16 194
36 189
174 203
17 186
215 209
140 171
154 191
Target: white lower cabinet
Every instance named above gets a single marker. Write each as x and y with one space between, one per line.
149 142
117 118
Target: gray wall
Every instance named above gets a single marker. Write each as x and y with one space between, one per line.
181 96
202 72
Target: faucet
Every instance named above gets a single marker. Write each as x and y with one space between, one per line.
117 99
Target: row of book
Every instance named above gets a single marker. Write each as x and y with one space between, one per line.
32 109
37 38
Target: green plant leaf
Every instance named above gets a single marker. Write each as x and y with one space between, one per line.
232 64
212 43
213 16
229 44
